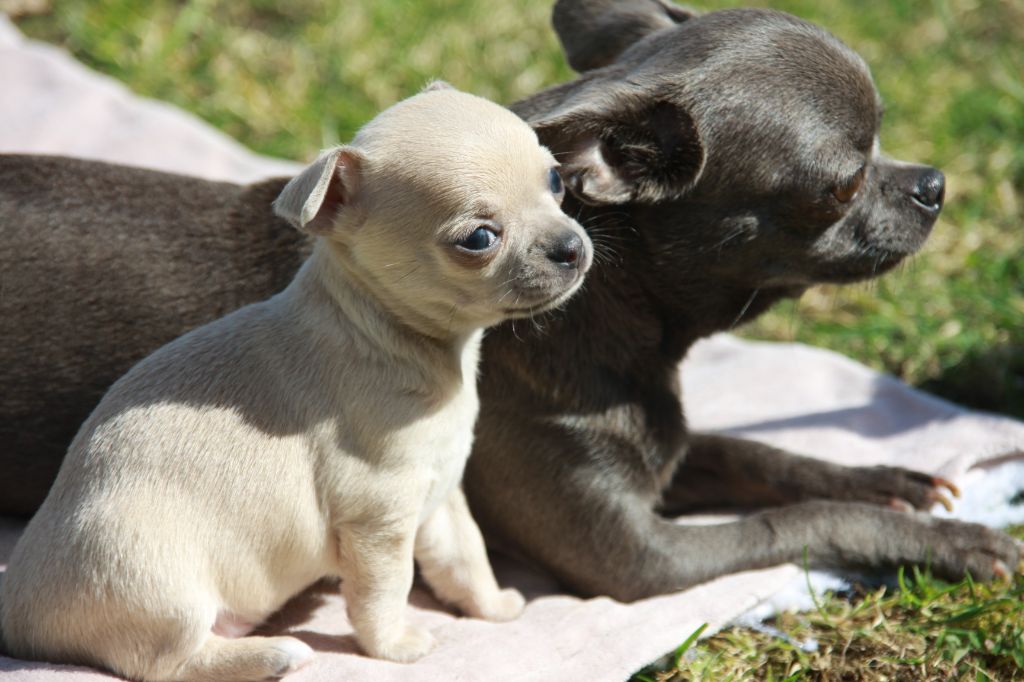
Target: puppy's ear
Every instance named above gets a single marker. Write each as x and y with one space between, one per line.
625 148
594 33
314 199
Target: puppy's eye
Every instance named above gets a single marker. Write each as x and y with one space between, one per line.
480 239
555 181
845 191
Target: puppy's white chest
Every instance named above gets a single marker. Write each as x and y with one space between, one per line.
446 445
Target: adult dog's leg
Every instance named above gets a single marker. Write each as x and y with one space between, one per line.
615 544
723 471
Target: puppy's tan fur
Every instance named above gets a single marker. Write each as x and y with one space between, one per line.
321 432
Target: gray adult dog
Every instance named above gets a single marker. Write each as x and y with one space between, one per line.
724 162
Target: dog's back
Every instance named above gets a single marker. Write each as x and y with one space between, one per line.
77 269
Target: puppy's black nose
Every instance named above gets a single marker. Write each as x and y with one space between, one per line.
930 190
566 251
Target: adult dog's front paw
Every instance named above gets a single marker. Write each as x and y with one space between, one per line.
504 605
900 488
410 644
959 548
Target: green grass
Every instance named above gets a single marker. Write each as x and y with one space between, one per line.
926 630
287 78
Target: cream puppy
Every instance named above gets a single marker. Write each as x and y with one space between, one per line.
320 433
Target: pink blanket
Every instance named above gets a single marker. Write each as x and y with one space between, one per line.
808 400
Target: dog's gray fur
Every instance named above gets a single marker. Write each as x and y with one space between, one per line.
705 157
101 265
718 160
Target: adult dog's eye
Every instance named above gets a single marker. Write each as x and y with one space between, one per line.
555 182
480 239
845 191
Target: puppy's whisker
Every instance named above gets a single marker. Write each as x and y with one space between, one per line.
605 253
507 283
606 230
515 304
451 316
601 242
609 218
401 262
399 280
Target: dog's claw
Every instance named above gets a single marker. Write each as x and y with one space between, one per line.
1001 571
940 482
936 496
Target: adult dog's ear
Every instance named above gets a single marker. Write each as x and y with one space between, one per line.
316 198
594 33
626 147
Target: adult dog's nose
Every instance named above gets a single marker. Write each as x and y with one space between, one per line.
930 190
566 251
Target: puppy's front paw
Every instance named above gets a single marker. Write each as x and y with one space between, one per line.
412 643
504 605
296 653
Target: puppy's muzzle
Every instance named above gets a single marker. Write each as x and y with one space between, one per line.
930 191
